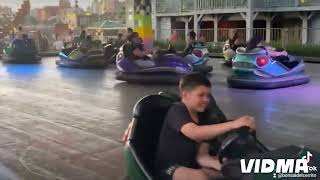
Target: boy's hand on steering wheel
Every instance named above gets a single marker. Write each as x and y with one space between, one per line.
245 121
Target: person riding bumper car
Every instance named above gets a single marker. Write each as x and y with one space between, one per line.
231 45
135 65
21 51
199 57
88 55
233 148
228 54
256 69
167 68
197 54
111 48
260 67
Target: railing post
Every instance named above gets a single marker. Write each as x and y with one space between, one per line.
186 27
195 24
284 37
195 5
154 19
304 30
249 20
268 29
216 19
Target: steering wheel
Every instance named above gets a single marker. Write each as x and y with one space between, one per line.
239 143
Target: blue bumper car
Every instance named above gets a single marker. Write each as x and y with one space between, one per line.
256 69
167 69
72 57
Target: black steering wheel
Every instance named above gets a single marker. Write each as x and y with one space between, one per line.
239 143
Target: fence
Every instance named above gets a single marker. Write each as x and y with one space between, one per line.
220 4
273 35
104 38
285 3
177 6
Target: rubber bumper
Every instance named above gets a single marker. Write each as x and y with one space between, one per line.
149 78
202 68
242 82
87 63
20 60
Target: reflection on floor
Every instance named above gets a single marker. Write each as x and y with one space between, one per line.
59 123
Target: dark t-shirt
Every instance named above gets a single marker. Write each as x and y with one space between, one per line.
174 147
128 49
189 48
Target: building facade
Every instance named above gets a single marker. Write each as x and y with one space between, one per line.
275 20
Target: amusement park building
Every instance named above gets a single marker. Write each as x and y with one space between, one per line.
275 20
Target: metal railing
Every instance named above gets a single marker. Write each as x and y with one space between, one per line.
187 5
272 35
285 3
223 33
168 6
177 6
220 4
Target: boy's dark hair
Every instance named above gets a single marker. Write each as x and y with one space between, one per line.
191 81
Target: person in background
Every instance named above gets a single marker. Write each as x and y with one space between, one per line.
129 33
83 35
191 43
235 40
20 33
119 41
133 49
174 36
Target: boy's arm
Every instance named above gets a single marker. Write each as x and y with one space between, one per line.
205 160
137 52
188 49
209 132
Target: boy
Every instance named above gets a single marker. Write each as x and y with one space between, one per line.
182 152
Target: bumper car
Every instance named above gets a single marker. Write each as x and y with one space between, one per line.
168 69
231 148
199 58
256 69
72 57
21 52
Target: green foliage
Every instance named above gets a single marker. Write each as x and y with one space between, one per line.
310 50
178 45
215 47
